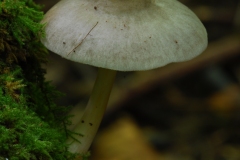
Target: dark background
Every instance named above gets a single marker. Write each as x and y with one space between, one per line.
183 111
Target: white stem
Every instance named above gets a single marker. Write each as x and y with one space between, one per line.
92 116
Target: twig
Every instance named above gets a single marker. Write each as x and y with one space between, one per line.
83 39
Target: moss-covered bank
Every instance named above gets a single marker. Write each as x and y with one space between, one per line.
30 125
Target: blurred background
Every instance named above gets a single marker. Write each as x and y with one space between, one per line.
183 111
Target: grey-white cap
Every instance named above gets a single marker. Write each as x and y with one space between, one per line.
124 35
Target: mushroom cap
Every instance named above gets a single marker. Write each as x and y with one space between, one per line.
124 35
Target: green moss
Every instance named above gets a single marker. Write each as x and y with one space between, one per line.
31 124
20 30
24 135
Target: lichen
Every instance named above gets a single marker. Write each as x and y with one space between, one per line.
32 126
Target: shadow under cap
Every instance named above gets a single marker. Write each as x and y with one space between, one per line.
124 35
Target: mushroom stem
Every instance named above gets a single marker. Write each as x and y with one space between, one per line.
92 116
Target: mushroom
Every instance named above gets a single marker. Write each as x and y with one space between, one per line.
119 35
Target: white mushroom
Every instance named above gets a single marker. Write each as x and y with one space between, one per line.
120 35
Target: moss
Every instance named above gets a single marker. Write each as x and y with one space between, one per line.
31 124
20 31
